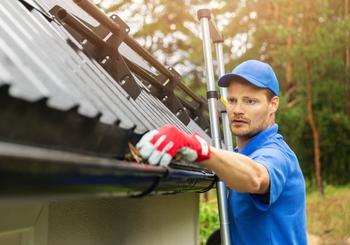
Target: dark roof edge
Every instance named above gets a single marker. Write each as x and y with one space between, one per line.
34 172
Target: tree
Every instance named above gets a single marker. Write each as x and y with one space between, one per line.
347 59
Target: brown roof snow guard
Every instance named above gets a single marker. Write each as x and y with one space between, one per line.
68 110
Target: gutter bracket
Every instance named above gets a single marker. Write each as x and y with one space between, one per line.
101 44
153 186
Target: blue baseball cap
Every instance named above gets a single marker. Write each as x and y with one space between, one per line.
255 72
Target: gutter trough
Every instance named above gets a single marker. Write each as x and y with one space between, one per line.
34 172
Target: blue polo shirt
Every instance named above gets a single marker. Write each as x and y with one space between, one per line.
278 217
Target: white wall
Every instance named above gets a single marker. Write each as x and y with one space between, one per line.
167 220
23 223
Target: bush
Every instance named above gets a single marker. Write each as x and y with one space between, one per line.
209 220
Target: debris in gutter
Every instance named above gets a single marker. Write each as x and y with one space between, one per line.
134 154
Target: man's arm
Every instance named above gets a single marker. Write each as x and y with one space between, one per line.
238 171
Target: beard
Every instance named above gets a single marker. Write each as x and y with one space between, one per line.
247 130
246 134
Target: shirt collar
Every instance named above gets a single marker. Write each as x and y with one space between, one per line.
258 140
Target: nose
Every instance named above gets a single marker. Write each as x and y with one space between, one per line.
237 109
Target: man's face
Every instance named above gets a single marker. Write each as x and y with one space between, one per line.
249 109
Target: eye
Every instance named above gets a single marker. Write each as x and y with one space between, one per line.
231 101
250 101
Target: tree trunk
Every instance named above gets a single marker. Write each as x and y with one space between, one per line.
347 62
275 11
315 132
206 197
288 67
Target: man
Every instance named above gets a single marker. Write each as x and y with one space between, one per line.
267 189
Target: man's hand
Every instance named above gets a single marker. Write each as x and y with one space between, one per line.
160 146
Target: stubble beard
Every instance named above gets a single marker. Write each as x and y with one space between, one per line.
247 133
244 133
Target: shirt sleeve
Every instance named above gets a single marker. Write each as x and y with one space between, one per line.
277 166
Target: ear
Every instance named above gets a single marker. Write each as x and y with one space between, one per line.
274 104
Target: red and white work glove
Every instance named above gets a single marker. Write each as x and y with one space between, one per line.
160 146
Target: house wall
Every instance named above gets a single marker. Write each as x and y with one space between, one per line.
171 219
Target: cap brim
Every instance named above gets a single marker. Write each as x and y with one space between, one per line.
225 80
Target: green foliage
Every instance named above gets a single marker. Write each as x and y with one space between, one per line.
335 147
293 126
319 33
209 220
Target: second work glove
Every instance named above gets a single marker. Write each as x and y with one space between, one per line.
160 146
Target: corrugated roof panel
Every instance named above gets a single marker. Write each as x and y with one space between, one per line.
193 127
32 89
161 111
157 110
55 58
146 105
43 60
70 116
101 78
29 55
79 78
5 76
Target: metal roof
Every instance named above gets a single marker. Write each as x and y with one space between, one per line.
55 97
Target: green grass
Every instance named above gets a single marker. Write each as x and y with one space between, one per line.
327 217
